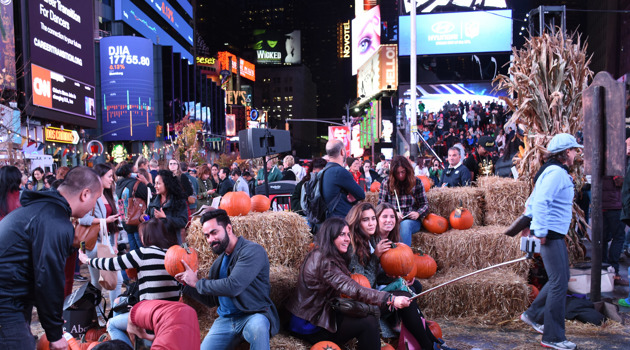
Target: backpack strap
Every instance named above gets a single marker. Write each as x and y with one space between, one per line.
335 201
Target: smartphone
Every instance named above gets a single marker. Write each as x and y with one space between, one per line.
134 175
83 247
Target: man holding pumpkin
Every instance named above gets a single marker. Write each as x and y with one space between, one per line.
238 283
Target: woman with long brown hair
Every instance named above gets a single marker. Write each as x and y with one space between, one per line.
406 193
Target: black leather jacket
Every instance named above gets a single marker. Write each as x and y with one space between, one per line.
36 241
321 279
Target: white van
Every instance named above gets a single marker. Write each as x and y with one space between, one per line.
43 161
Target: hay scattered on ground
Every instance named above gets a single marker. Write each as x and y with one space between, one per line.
371 197
284 235
504 197
475 248
490 297
442 201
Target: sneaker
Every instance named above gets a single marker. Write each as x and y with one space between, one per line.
619 281
80 278
624 302
559 345
536 326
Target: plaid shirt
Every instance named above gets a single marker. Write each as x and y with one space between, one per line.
416 201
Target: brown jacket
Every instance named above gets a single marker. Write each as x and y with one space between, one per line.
321 279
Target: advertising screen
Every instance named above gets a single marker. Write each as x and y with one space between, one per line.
138 20
341 133
127 88
379 73
248 70
61 37
7 47
164 9
366 37
61 93
458 32
275 47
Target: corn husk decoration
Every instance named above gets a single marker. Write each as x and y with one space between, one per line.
547 77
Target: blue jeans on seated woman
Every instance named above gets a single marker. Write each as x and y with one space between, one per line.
407 228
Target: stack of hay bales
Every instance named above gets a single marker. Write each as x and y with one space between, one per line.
285 236
491 296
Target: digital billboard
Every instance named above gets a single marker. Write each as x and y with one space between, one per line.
248 70
129 13
61 37
275 47
61 93
366 37
428 6
7 47
458 32
173 18
379 73
127 88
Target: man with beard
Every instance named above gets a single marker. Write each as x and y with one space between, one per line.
481 162
238 283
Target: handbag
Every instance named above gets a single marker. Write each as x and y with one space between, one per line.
354 308
87 234
136 207
132 297
107 279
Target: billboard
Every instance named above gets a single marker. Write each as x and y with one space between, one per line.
458 32
127 88
275 47
7 47
173 18
379 73
341 133
61 37
62 93
343 40
129 13
428 6
366 37
248 70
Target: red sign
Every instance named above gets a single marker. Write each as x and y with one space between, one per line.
248 70
341 133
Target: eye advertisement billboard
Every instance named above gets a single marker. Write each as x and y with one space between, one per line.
127 88
458 32
366 37
275 47
61 37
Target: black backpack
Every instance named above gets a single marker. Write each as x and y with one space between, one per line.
313 204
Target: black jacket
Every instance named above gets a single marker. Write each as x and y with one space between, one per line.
227 185
36 241
175 209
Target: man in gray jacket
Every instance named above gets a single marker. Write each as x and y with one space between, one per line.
238 283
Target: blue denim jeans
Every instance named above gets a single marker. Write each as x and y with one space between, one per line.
16 335
134 241
407 228
117 326
228 332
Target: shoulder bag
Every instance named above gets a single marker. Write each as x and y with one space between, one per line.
136 207
87 234
107 279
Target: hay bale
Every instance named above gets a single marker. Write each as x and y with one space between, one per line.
283 281
475 248
371 197
284 235
489 297
442 201
505 199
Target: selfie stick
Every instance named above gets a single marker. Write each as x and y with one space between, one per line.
418 135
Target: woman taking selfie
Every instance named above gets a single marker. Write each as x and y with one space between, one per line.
323 276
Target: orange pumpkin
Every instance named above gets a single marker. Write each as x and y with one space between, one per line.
325 345
43 343
360 279
435 223
398 261
425 266
236 203
260 203
174 257
533 292
132 273
375 187
93 345
93 334
435 329
426 182
412 274
387 347
461 218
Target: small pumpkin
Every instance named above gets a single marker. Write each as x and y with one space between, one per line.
461 218
425 265
236 203
435 329
426 182
175 255
375 187
398 261
43 343
325 345
387 347
93 334
132 273
435 223
533 292
260 203
412 274
360 279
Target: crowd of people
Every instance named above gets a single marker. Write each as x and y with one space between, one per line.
35 223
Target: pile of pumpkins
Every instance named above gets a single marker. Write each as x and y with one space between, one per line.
460 219
239 203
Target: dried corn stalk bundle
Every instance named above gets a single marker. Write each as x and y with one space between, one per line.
547 77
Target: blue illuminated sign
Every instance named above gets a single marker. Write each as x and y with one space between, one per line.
127 88
138 20
458 32
186 6
173 18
